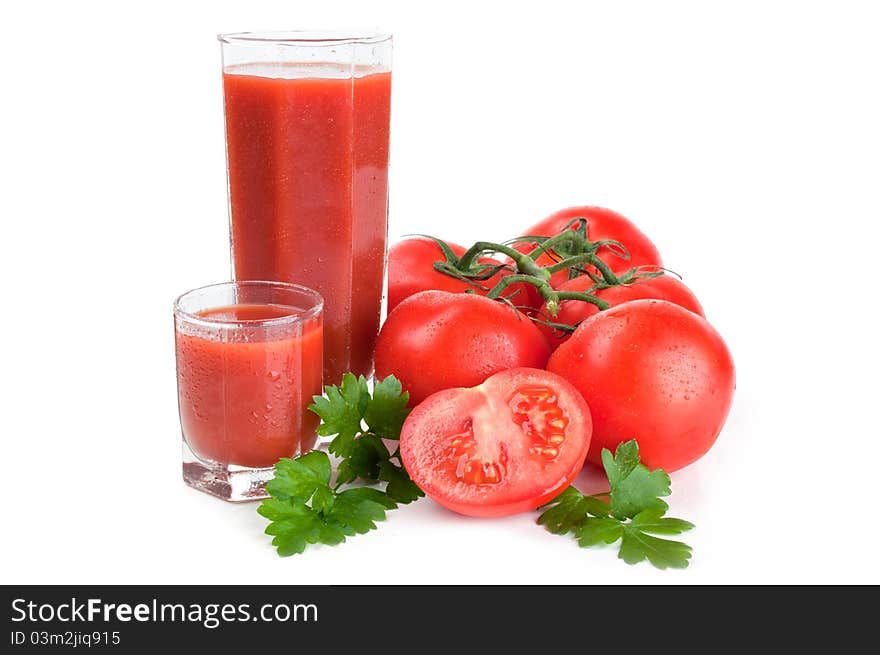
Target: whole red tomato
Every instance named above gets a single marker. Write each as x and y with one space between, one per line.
438 340
572 312
651 371
411 269
506 446
602 224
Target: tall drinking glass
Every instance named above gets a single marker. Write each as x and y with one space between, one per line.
307 128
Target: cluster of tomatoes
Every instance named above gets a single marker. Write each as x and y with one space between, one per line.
513 391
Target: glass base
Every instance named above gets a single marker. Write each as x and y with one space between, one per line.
233 483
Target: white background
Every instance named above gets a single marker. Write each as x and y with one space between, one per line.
742 137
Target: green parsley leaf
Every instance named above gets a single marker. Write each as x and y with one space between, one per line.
303 509
633 515
654 522
298 478
634 487
386 410
323 500
362 422
637 544
601 530
400 486
293 525
622 463
567 511
341 412
356 510
367 452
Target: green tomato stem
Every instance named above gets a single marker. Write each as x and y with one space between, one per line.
586 258
579 242
529 272
523 263
586 297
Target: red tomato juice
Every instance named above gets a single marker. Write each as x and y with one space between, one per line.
244 391
307 149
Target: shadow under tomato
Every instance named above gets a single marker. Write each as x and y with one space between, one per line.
591 480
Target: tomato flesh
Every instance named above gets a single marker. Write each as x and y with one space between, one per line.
506 446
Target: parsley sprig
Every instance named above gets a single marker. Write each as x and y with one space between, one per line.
306 506
633 513
361 423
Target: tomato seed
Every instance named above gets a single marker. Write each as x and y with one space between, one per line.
541 420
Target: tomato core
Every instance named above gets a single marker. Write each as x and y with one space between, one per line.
470 466
541 419
480 458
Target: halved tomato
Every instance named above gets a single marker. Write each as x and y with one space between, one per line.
506 446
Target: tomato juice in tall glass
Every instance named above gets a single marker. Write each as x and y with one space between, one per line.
307 133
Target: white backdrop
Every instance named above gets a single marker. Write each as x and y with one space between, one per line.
742 137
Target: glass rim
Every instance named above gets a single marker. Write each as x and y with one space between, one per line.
293 318
303 38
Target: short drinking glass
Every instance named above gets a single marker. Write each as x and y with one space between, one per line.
249 360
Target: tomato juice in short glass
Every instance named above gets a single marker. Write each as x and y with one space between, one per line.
249 360
307 136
